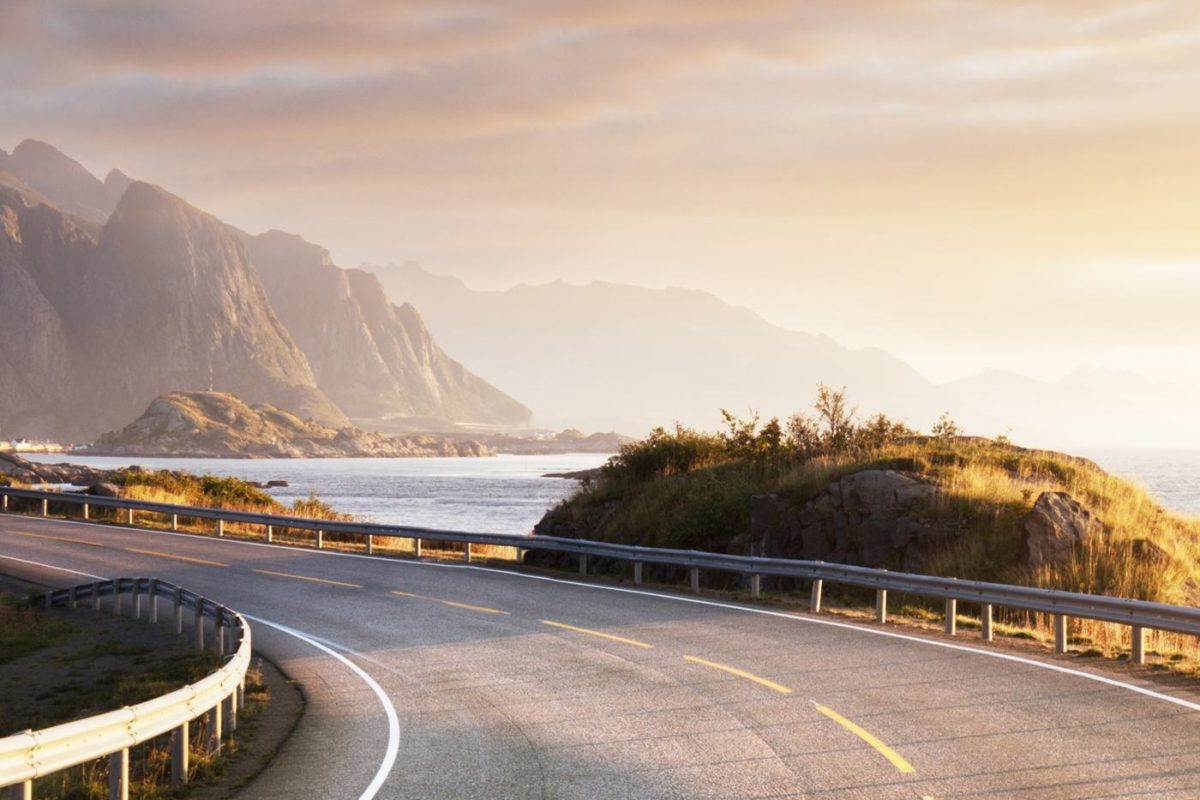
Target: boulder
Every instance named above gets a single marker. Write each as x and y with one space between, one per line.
1057 524
104 490
276 484
873 518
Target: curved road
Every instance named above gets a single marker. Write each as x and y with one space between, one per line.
436 680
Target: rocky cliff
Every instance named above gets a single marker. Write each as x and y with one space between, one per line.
375 359
113 293
218 425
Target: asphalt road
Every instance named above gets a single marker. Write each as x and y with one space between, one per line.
437 680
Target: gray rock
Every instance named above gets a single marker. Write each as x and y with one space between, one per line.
1057 524
104 490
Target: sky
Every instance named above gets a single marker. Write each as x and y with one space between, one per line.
1005 184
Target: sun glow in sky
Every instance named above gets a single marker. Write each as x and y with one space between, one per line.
968 184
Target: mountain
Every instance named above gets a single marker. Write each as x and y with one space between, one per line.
95 326
64 181
375 359
113 293
611 356
608 356
218 425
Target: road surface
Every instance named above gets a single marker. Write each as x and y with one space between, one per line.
438 680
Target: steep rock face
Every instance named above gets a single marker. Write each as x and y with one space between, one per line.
36 387
215 424
373 358
201 314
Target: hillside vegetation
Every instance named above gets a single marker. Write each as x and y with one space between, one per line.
689 489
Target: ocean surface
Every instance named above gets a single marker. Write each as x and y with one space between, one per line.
507 493
1172 476
498 494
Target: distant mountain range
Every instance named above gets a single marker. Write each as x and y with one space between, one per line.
113 293
611 356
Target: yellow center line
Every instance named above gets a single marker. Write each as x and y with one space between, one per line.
307 578
56 538
453 603
891 755
750 676
189 559
601 634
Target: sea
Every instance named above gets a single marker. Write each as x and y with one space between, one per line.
492 494
510 493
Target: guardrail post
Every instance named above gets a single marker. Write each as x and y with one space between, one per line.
45 507
137 600
1060 633
1138 645
881 606
233 710
818 588
695 579
417 552
985 621
85 511
241 693
371 545
4 507
118 775
220 630
637 572
270 534
756 585
951 616
174 522
116 604
198 626
21 791
467 552
320 539
583 563
214 730
177 603
129 517
153 592
180 751
73 597
96 596
220 527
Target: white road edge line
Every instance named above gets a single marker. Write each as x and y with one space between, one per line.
680 599
393 745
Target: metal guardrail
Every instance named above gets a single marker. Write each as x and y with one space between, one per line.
27 756
1141 615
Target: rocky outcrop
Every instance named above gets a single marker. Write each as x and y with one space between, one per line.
375 359
219 425
1055 526
873 518
64 181
22 470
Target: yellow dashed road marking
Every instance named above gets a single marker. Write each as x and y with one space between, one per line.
189 559
750 676
601 634
56 538
307 578
453 603
891 755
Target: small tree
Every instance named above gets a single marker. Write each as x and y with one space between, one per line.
945 427
835 418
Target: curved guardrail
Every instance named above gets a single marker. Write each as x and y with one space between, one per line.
27 756
1141 615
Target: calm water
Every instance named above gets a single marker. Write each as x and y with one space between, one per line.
500 494
1172 476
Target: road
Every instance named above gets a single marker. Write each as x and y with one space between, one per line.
439 680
